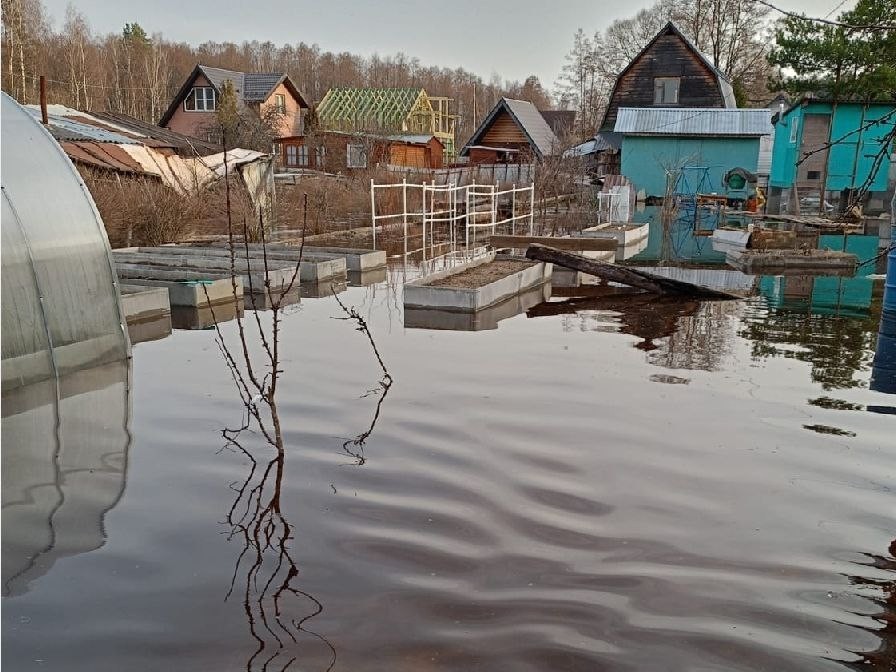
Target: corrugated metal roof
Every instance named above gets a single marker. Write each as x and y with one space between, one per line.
64 128
529 119
533 125
693 121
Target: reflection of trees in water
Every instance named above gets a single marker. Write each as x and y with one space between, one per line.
882 659
700 341
676 333
836 346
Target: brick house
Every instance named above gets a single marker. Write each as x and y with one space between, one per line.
192 111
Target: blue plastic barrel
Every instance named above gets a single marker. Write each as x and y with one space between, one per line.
883 368
890 286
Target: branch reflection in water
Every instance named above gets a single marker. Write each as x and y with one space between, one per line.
355 447
277 611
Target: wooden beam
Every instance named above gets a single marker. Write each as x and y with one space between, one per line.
627 276
583 244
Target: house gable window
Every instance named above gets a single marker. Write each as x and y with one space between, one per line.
355 156
201 99
665 90
280 103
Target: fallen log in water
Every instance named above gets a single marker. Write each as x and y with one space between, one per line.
626 276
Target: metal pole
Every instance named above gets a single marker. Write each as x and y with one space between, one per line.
513 209
404 211
531 209
373 211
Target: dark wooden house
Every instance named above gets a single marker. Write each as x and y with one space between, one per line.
668 72
513 132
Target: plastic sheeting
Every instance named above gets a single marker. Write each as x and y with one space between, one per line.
61 309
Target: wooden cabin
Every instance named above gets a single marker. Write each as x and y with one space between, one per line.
337 151
669 72
513 132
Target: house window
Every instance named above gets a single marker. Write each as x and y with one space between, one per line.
665 90
296 156
201 99
356 156
320 156
794 127
813 175
280 103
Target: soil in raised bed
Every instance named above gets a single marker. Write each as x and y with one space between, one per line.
481 275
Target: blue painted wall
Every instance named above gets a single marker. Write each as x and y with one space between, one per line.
851 160
643 158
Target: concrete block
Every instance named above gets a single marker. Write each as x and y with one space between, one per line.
487 318
183 290
623 234
421 293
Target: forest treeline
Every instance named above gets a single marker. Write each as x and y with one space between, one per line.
138 74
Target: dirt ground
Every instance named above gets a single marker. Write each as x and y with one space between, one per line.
482 274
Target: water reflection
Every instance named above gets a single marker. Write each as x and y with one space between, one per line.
837 346
676 333
882 659
65 455
264 577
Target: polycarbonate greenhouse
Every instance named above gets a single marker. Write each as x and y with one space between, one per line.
61 309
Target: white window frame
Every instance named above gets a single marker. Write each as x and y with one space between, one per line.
661 88
794 129
357 151
209 99
320 156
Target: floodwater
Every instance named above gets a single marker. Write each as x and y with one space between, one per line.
595 482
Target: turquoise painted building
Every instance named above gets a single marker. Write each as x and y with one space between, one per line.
700 144
804 131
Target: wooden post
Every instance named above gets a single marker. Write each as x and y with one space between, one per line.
43 101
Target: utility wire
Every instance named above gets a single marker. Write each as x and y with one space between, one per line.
839 24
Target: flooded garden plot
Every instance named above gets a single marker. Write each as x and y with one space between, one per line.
608 481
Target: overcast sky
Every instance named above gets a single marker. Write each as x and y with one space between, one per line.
513 39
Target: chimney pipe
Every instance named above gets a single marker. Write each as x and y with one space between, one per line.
43 101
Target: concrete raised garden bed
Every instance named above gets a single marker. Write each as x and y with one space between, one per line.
449 290
488 318
623 234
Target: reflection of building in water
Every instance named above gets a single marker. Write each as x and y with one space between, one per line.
60 480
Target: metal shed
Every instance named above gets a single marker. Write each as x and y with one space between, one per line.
61 307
